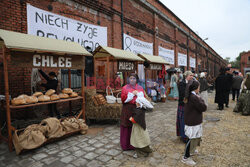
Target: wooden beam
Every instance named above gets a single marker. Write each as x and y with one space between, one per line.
83 95
7 98
108 72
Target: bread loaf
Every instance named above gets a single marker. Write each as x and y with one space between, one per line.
54 97
31 99
43 98
67 90
73 94
18 101
37 94
22 96
50 92
63 96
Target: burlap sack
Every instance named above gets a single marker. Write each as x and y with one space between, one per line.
32 137
54 128
83 126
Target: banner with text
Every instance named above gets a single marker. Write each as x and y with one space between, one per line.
137 46
192 62
167 54
46 24
182 59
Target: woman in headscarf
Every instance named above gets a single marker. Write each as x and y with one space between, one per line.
194 108
173 84
188 77
203 87
128 97
243 104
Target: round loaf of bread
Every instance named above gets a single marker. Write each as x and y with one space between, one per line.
73 94
31 99
50 92
67 90
43 98
63 96
54 97
37 94
18 101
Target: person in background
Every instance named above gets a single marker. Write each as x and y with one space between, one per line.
236 86
128 97
118 81
173 85
203 87
188 78
243 104
52 83
193 122
228 84
220 89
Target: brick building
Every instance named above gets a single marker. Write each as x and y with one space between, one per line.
149 21
245 62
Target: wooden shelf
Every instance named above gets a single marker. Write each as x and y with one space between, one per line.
43 103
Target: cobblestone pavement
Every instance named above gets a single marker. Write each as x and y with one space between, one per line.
101 147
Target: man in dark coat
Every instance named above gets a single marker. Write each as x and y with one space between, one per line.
220 89
52 83
236 85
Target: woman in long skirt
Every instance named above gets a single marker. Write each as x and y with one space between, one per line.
128 97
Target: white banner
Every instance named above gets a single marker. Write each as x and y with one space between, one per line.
182 59
137 46
166 54
47 24
192 62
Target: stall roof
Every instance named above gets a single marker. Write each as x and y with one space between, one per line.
31 43
103 51
153 59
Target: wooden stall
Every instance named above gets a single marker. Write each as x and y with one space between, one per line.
155 64
126 61
23 50
97 106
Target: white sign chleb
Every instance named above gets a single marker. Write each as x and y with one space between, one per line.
46 24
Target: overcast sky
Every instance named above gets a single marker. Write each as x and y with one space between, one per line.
226 23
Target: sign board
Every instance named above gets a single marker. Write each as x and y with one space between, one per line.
137 46
167 55
125 66
155 67
192 62
34 60
182 59
47 24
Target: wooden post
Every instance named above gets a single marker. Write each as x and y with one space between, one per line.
69 79
108 72
83 95
6 85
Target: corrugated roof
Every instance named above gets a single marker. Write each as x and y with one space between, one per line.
31 43
103 51
153 59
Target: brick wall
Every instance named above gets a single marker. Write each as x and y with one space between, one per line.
139 22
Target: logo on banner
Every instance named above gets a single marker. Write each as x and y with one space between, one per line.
128 43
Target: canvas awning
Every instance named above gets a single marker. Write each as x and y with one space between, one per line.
103 51
30 43
153 59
